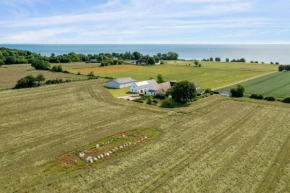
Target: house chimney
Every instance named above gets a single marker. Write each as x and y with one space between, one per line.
173 82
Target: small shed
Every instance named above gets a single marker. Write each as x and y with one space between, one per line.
120 83
225 94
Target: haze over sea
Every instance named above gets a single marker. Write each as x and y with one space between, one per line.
257 52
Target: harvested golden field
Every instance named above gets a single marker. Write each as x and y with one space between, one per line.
215 145
10 74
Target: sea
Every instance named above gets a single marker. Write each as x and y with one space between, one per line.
251 52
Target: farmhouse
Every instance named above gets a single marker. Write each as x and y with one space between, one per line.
120 83
115 59
157 62
225 94
142 61
142 87
159 88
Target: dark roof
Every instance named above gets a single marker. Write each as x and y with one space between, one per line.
124 80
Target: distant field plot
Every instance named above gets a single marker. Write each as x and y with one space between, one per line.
215 145
78 65
10 74
210 75
276 84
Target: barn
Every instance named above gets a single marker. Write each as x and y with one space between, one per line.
120 83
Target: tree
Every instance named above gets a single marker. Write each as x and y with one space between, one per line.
227 60
26 82
1 62
160 79
183 91
211 59
40 78
239 91
196 63
137 55
217 59
151 61
281 68
91 75
41 65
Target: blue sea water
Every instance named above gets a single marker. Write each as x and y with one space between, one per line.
260 52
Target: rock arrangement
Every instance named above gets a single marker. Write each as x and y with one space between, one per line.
91 159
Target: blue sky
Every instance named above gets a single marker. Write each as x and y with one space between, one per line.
144 21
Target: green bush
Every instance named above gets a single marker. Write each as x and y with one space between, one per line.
257 96
286 100
155 101
149 101
168 103
160 96
26 82
146 96
208 90
41 65
270 98
54 81
238 92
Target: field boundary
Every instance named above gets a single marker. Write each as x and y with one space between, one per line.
244 80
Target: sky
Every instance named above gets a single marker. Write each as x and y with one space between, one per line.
144 21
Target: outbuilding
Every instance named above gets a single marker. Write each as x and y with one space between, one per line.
142 87
120 83
225 94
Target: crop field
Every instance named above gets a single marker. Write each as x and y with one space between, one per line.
210 75
276 84
215 145
10 74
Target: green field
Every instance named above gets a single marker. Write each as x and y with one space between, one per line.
276 84
215 145
210 75
10 74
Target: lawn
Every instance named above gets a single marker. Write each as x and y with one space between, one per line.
119 92
215 145
276 84
10 74
210 75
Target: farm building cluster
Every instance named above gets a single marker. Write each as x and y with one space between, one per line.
150 87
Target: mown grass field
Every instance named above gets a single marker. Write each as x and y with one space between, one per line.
10 74
276 84
215 145
210 75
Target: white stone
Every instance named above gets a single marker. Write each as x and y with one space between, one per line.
96 159
89 159
97 146
82 154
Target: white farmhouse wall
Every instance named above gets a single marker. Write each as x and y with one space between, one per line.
134 88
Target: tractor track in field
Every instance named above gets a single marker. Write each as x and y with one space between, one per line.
277 168
202 150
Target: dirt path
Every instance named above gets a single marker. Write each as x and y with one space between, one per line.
244 80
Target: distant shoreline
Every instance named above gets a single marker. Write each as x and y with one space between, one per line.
252 52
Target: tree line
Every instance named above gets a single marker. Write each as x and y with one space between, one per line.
14 56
